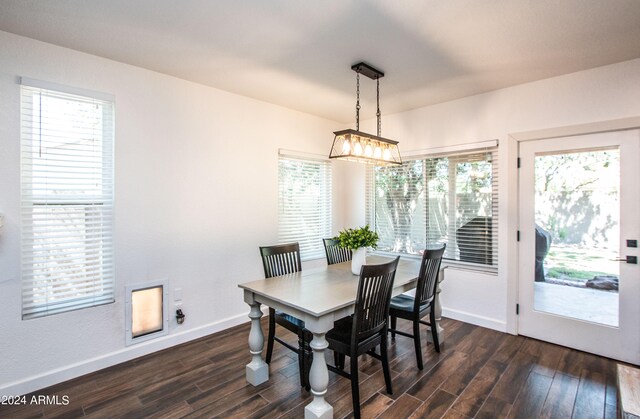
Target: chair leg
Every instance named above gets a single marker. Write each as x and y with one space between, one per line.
434 329
355 388
336 359
308 356
302 361
341 358
271 334
394 321
416 341
385 364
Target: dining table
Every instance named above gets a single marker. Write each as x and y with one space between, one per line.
317 296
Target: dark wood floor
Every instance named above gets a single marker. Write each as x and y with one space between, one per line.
480 373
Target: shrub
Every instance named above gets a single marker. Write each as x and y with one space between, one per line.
355 238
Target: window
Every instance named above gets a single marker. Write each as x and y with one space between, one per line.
66 199
450 199
304 204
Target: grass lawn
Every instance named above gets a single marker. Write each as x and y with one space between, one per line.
575 263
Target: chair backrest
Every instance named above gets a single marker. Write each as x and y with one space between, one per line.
373 299
280 259
335 253
428 276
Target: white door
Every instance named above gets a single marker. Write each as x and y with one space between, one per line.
579 213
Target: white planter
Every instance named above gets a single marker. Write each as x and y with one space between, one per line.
358 259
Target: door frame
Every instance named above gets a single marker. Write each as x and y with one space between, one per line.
623 338
509 247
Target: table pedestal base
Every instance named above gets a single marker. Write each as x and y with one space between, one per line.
256 371
257 374
318 411
319 380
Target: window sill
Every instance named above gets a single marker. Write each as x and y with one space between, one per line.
453 264
469 267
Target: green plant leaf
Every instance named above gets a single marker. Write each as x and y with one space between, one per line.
353 239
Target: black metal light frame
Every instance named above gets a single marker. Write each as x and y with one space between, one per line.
355 145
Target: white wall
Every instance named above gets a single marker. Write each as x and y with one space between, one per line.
196 194
580 100
196 186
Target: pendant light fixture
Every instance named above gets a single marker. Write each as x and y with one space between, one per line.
355 145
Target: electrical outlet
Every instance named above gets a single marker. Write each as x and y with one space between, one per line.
177 294
180 316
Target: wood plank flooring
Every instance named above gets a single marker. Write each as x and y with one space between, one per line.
480 373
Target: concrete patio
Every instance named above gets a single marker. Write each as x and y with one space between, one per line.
581 303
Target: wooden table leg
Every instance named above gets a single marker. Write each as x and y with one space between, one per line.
319 381
257 371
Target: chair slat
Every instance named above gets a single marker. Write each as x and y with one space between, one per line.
428 276
335 253
281 259
372 301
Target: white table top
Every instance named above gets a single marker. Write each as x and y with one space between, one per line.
323 290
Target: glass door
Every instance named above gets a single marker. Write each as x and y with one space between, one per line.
578 216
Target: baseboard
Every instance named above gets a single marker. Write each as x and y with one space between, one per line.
488 322
69 372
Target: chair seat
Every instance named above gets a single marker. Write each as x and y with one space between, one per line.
404 302
339 337
290 319
341 331
293 324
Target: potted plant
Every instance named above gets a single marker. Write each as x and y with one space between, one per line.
357 240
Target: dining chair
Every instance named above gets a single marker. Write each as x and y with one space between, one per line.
415 308
366 329
281 260
335 253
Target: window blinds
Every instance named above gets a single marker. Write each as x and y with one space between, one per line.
304 204
399 207
450 199
66 201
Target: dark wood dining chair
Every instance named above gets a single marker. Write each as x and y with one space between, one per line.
415 308
335 253
281 260
366 329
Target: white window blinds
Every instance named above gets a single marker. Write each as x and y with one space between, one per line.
66 200
304 204
450 199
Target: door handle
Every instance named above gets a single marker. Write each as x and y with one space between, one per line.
629 259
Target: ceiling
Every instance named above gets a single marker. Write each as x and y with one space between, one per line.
298 54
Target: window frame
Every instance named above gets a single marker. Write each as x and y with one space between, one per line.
311 245
98 209
457 155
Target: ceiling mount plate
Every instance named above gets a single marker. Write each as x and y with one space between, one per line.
366 70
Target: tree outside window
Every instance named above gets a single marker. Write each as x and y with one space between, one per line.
448 199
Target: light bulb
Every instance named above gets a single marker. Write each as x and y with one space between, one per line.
377 153
387 154
346 147
368 150
357 149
